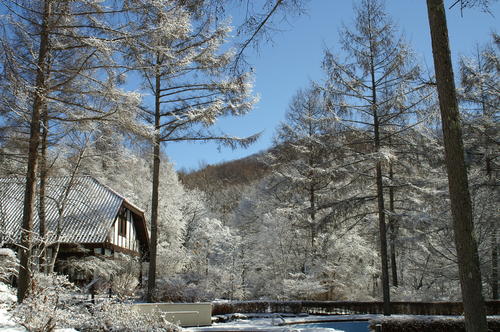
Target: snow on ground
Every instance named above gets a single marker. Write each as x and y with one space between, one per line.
7 298
6 294
7 324
278 323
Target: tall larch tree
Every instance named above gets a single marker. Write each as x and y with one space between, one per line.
480 106
179 53
461 207
373 93
302 159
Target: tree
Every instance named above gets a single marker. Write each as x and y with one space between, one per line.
480 102
302 159
70 78
468 260
177 52
374 93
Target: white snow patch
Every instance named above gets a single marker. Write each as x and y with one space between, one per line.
7 324
6 294
276 324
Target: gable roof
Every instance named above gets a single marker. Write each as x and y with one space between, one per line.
90 209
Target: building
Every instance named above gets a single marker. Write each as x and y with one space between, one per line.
84 216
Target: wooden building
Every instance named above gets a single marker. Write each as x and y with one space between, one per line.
83 215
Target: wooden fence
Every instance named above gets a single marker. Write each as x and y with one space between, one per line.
346 307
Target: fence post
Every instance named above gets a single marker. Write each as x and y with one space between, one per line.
378 328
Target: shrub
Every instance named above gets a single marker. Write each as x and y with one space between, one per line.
427 324
123 318
43 309
50 304
122 270
8 265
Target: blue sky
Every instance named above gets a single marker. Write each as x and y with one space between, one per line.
294 58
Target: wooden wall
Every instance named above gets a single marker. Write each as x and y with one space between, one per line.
129 241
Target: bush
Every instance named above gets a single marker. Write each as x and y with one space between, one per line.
50 304
123 318
122 270
7 295
42 309
177 289
8 265
427 324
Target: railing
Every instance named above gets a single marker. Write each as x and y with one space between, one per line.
346 307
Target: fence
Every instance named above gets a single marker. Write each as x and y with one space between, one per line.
346 307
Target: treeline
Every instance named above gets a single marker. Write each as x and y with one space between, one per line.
358 166
236 172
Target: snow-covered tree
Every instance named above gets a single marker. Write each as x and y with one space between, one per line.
58 59
480 108
372 90
274 251
177 49
302 162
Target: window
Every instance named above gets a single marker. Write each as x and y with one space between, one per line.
122 223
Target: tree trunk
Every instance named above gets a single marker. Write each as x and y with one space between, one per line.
41 193
468 260
380 197
312 206
154 198
493 236
55 252
383 242
34 141
392 230
494 263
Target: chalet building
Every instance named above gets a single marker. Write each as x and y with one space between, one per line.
83 215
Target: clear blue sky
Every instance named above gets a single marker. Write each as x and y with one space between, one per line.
295 54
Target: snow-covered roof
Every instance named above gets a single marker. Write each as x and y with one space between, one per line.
89 213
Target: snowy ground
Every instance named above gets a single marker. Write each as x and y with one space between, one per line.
277 323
